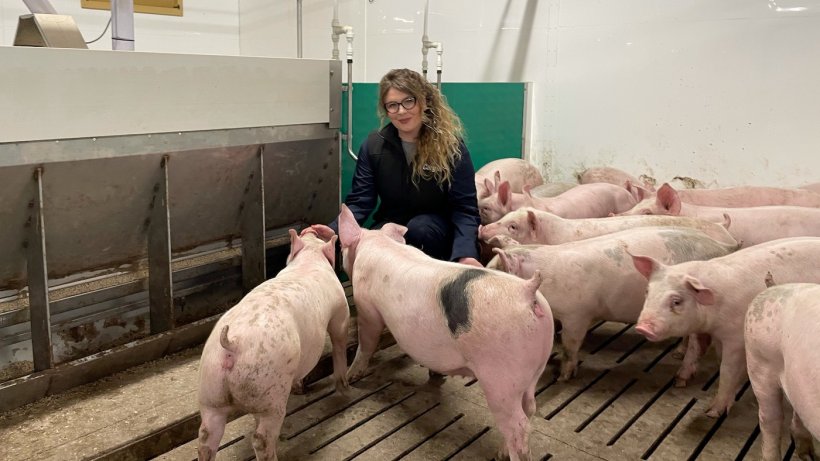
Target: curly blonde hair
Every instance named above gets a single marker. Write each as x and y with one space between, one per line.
441 132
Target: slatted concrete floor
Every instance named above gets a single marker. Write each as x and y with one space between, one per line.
622 405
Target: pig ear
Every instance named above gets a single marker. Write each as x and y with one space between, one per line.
324 232
480 188
532 221
490 186
349 230
527 190
703 294
296 244
638 192
395 231
506 262
645 264
504 193
329 250
497 177
668 198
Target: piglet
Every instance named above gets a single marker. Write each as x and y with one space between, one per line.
266 344
712 297
782 340
750 225
594 279
518 172
530 225
453 319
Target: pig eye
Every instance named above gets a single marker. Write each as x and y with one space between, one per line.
645 211
513 227
675 303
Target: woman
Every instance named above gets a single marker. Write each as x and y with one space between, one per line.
420 170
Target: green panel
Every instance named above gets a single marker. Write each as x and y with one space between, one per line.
492 114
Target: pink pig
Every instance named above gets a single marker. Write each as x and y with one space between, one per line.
269 342
594 279
529 225
453 319
594 200
612 176
517 171
782 340
712 297
737 197
751 225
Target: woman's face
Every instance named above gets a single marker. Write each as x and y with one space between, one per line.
407 121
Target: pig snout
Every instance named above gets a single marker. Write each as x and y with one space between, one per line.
648 329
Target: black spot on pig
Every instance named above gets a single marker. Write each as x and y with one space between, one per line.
455 303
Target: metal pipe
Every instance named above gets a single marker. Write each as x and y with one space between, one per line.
122 25
426 44
338 29
350 98
298 28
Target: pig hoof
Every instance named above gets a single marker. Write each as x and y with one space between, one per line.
342 386
680 382
678 355
435 378
714 412
804 451
298 388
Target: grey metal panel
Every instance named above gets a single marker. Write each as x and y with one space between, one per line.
301 182
98 210
37 152
15 197
335 120
206 188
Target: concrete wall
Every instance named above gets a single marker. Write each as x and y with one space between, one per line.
722 92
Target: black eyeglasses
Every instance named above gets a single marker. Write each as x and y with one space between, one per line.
392 107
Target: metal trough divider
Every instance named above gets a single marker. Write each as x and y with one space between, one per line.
108 239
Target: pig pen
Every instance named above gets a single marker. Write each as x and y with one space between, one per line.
621 405
126 230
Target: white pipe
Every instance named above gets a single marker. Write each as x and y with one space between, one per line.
338 29
426 44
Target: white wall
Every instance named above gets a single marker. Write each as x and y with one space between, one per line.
207 26
725 93
722 92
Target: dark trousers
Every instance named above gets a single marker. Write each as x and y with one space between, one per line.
430 233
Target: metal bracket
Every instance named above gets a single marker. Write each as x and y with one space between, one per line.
253 227
160 294
40 312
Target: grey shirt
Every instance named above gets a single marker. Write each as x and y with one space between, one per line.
409 151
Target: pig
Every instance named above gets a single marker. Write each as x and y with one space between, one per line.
269 341
453 319
612 176
814 187
583 201
529 225
551 189
781 334
594 279
711 297
517 171
780 221
737 197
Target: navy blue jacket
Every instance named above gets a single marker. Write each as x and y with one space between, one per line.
385 175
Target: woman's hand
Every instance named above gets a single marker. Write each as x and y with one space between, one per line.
470 262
